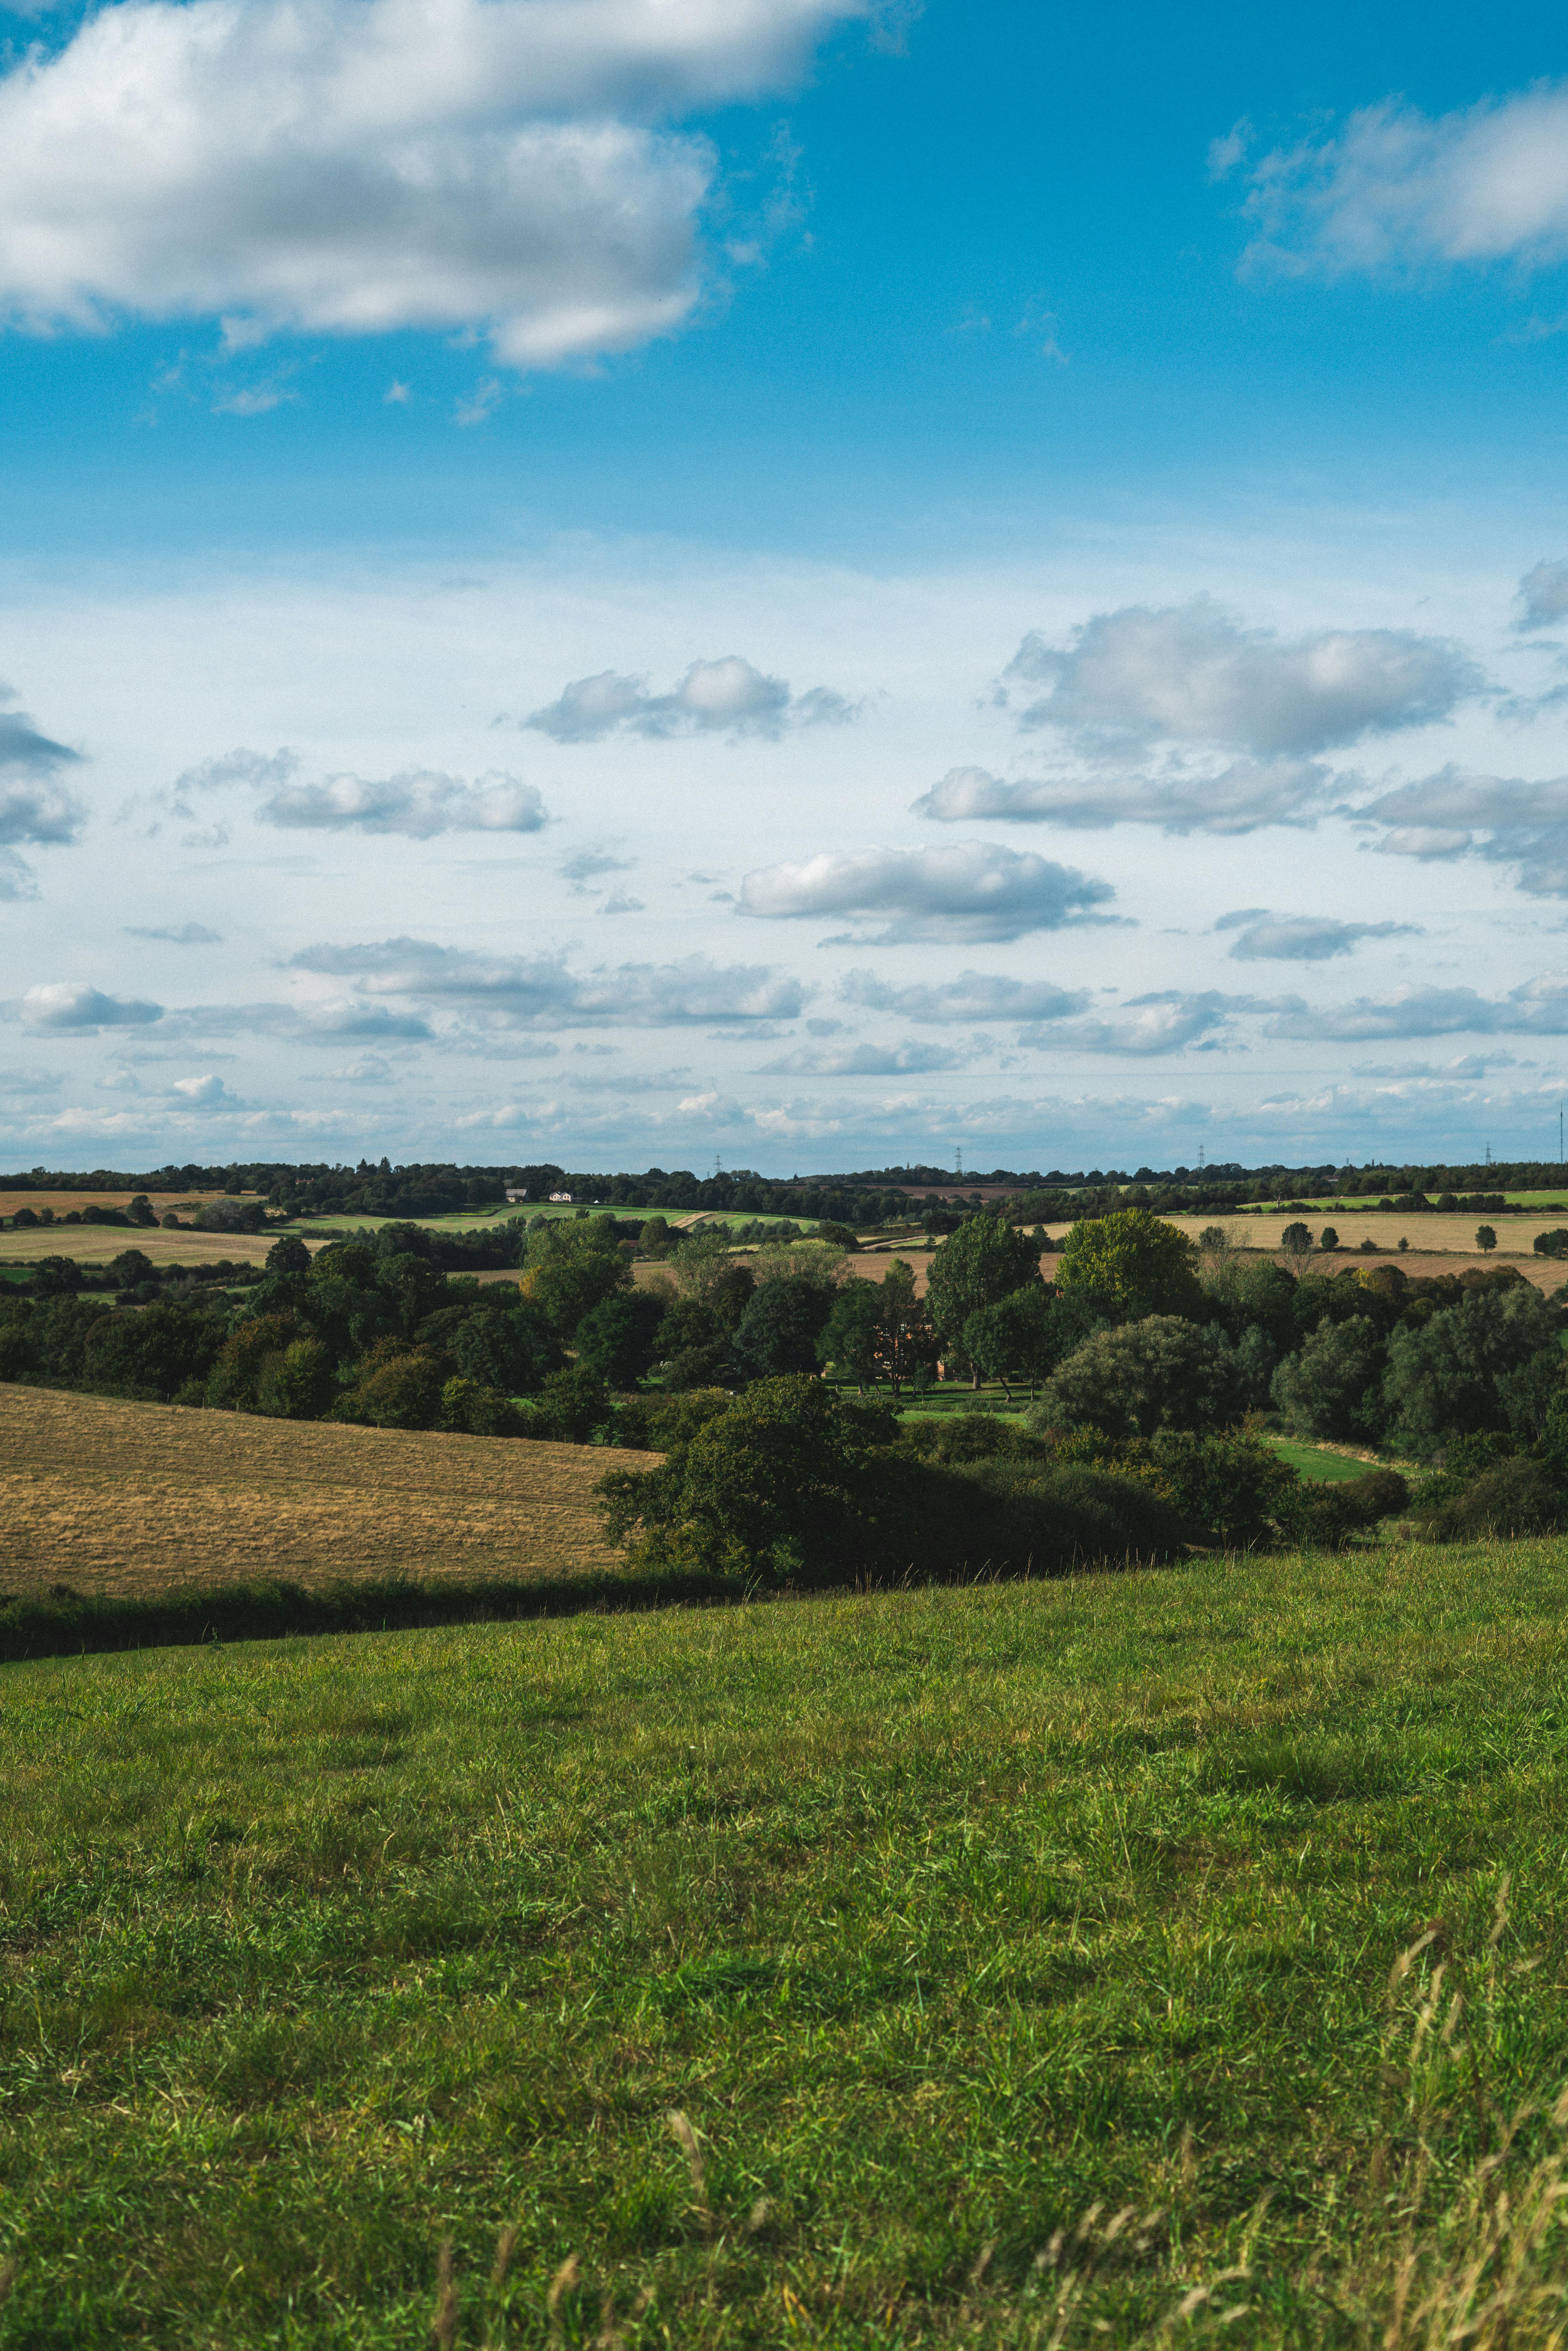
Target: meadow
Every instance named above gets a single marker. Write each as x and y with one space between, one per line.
1161 1957
129 1499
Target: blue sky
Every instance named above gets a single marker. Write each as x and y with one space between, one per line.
777 578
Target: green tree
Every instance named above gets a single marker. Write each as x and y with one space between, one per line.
1444 1375
1333 1386
573 1404
1162 1372
298 1383
1020 1337
850 1340
571 1267
1486 1239
778 1331
878 1330
1137 1262
1553 1244
617 1339
288 1255
513 1350
981 1263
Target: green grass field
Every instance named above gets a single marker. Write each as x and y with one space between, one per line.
1317 1461
1022 1965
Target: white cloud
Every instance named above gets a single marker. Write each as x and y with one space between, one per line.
1525 822
182 934
202 1093
973 996
972 891
259 769
726 696
1397 189
356 166
1187 674
72 1005
417 803
1539 1008
23 747
862 1061
1542 597
1239 798
518 991
1302 939
1145 1025
39 812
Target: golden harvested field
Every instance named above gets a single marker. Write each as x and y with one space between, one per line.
131 1499
184 1204
96 1244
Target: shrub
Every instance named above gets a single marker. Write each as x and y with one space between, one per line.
1516 1497
1225 1490
1553 1244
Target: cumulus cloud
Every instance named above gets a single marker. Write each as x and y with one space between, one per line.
1238 798
1188 673
1539 1008
970 892
726 696
263 770
360 166
33 807
65 1005
973 996
1145 1025
1524 822
182 934
1543 600
323 1023
862 1061
416 803
520 992
1302 939
589 863
1396 189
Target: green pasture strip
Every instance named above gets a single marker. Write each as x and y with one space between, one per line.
1315 1461
949 1924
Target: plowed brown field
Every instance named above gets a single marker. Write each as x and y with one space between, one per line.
128 1499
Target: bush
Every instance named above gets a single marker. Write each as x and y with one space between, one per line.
1225 1490
1553 1244
1328 1513
473 1410
1516 1497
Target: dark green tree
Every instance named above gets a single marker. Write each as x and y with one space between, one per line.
1160 1373
1333 1386
976 1267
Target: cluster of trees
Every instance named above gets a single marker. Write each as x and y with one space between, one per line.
791 1483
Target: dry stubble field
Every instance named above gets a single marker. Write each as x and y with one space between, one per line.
129 1499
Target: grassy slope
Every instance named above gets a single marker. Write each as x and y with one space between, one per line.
943 1917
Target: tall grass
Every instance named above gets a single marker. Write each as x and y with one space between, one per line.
1132 1959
